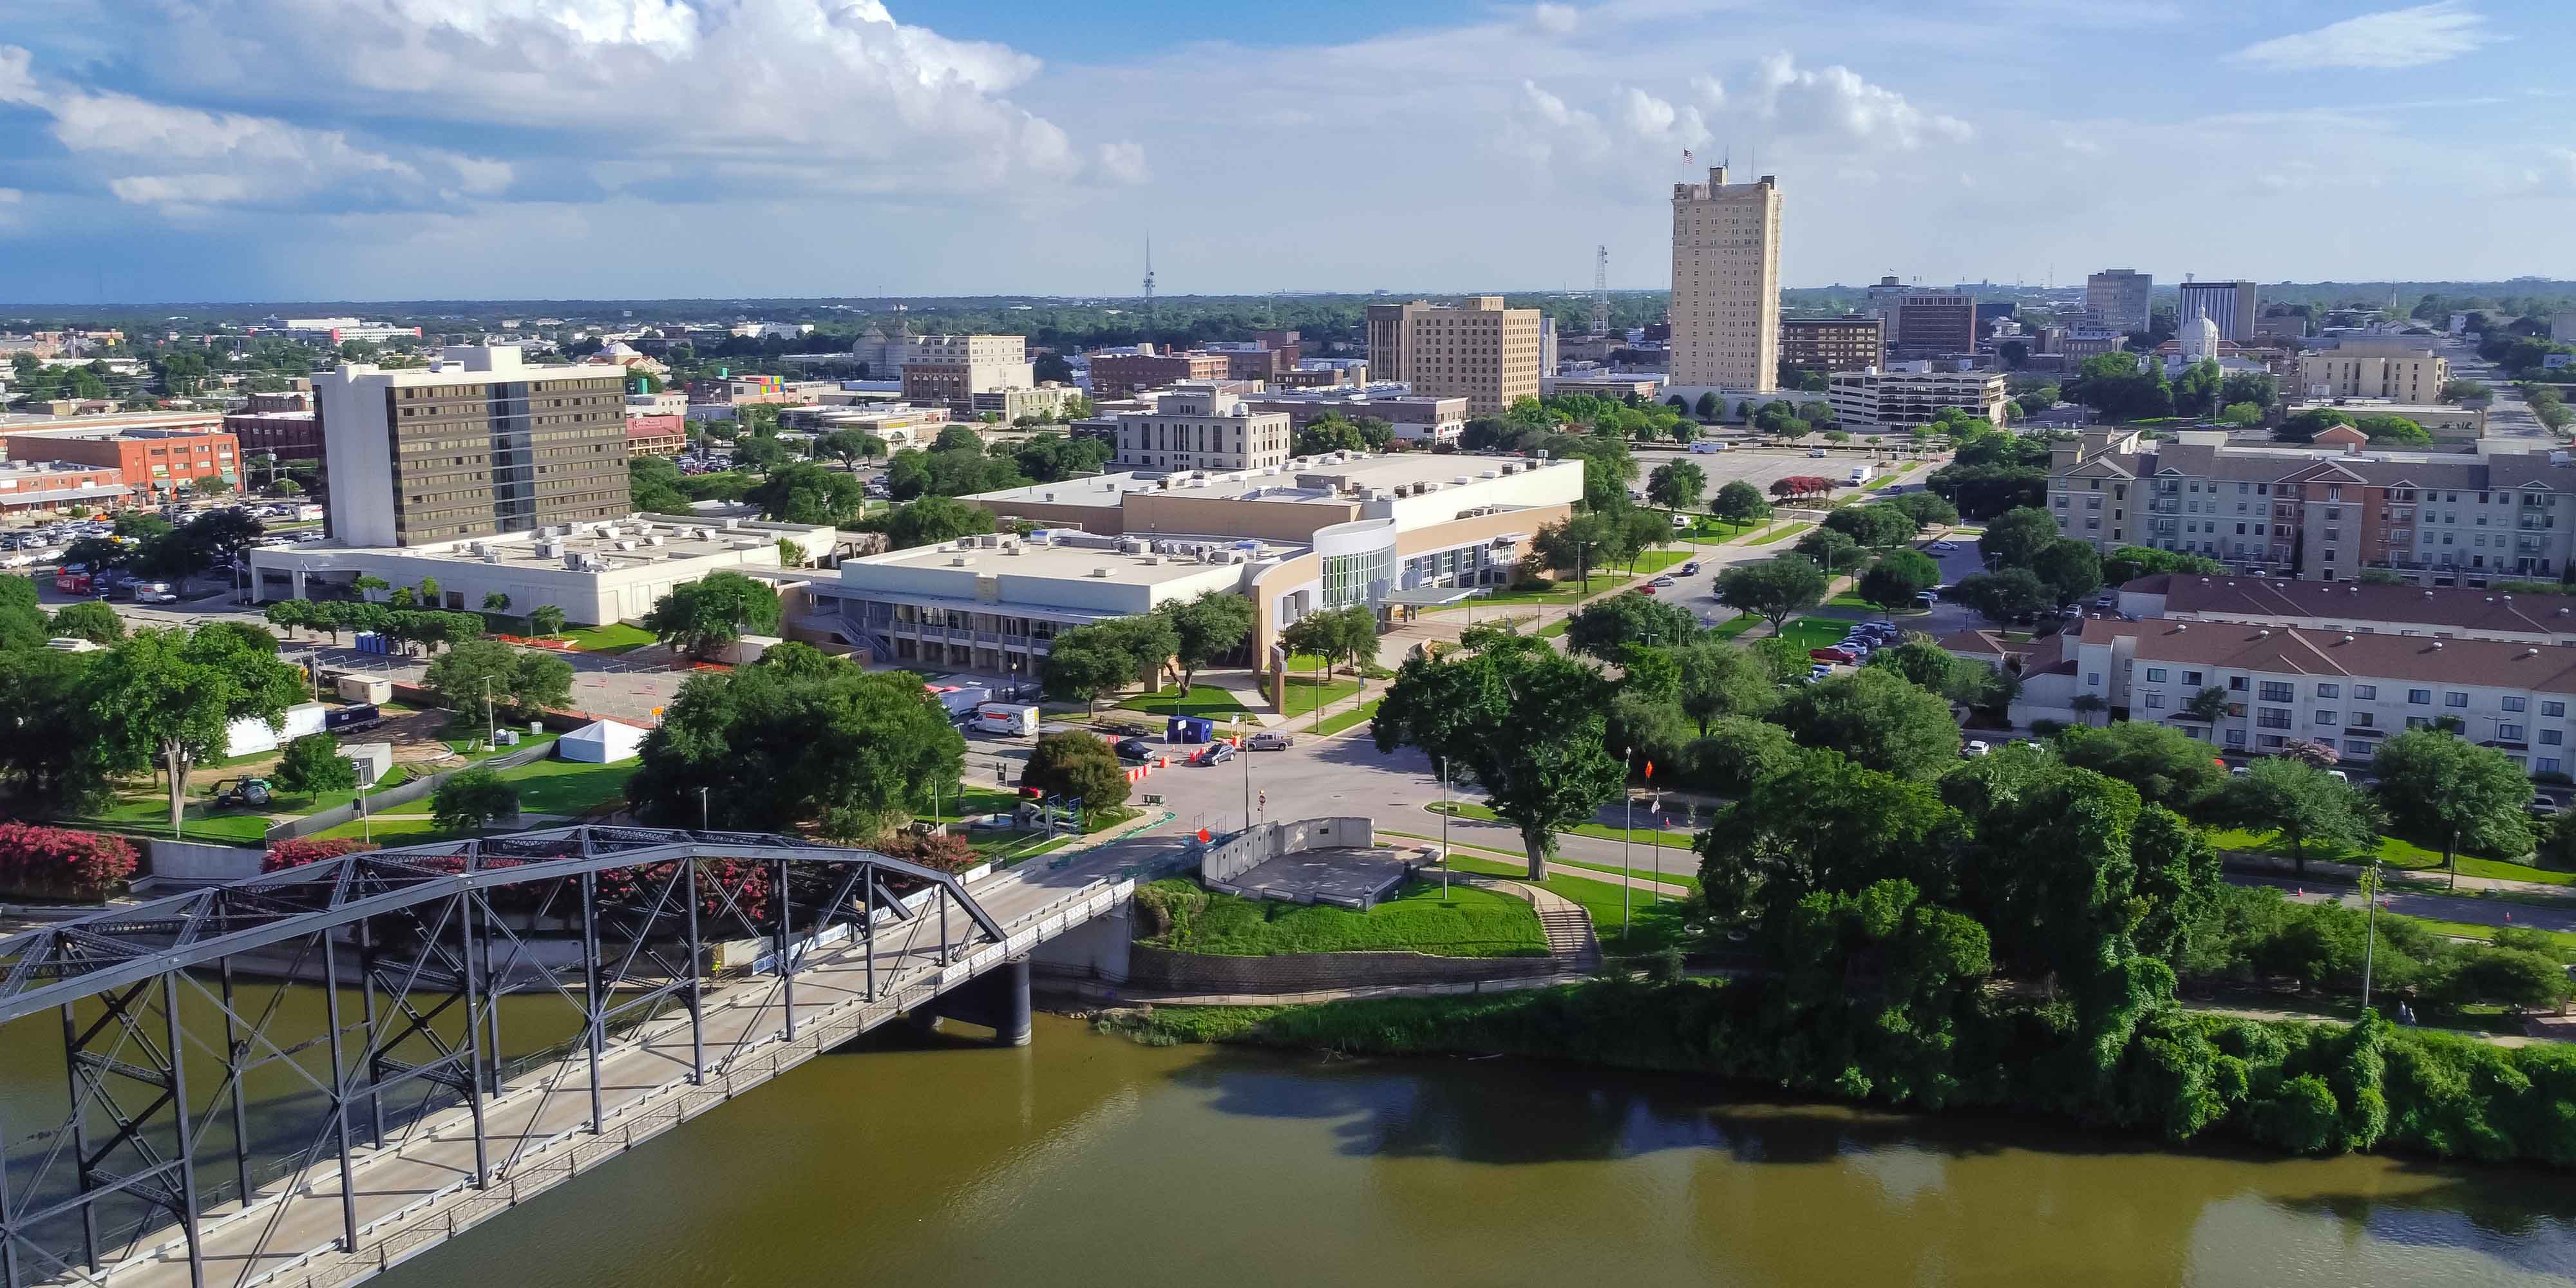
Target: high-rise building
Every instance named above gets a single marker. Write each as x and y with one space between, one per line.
2120 298
2394 367
1478 350
949 370
1846 343
476 444
1883 299
2232 305
1935 324
1726 283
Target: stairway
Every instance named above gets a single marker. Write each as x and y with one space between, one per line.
1569 931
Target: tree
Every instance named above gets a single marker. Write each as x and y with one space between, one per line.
495 602
2167 766
1898 576
2441 789
932 520
2014 538
2393 429
1605 628
1340 636
2310 423
369 584
850 446
2069 568
1876 718
471 800
48 733
210 485
1719 680
1820 822
312 764
1708 408
1208 629
2241 415
1676 485
1077 766
808 493
958 438
2305 804
92 621
2128 563
96 553
2002 597
1831 548
1927 509
654 486
547 620
1740 502
2199 390
167 696
699 617
1575 542
519 681
1524 725
1085 663
1774 589
798 737
2206 706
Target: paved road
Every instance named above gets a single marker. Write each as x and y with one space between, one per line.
2475 912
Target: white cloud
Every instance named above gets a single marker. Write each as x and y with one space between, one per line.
2555 175
2393 38
1711 92
1644 113
1554 19
1124 162
1836 101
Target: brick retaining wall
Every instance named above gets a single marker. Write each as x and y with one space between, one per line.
1162 969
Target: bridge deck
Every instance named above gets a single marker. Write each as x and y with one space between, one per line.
418 1191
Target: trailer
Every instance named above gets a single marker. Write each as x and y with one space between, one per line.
1007 719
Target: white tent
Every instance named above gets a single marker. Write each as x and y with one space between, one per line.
600 742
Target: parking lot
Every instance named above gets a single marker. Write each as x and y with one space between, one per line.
1763 466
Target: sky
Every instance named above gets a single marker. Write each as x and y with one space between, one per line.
174 150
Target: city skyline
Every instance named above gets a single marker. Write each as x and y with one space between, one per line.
493 150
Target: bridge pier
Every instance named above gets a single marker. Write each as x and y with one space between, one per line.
997 999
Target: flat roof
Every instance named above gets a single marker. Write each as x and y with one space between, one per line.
630 543
1051 557
1281 483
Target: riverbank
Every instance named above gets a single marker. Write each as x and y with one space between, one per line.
2298 1088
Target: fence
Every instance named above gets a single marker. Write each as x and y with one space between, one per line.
405 794
1232 857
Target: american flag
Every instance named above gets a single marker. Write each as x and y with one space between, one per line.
1686 154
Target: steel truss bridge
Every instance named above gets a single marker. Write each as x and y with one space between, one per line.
492 1018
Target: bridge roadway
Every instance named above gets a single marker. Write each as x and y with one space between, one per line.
418 1191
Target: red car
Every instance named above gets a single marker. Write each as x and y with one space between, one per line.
1645 590
1832 655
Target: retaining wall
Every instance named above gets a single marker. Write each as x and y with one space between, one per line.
197 863
1240 853
404 794
1164 970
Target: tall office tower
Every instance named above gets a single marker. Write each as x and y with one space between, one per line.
1935 324
1478 350
2120 297
1726 283
474 445
2232 305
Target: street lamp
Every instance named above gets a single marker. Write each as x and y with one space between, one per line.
1628 804
2370 929
1442 766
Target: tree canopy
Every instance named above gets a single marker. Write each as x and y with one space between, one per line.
1524 725
699 617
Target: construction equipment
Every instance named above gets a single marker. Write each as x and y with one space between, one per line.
248 793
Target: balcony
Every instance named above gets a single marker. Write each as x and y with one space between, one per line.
2164 505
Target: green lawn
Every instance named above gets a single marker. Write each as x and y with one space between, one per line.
1781 533
1468 923
1712 531
1301 696
1888 479
612 639
1736 626
1655 561
1650 926
549 786
1677 871
1202 700
1816 632
1636 836
2396 853
974 803
1341 720
1559 593
2562 941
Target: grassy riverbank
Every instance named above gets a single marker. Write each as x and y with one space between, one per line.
2295 1087
1468 922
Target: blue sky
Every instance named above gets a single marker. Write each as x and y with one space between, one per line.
375 149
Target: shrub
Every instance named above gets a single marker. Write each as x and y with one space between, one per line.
297 852
2047 728
939 853
58 863
471 800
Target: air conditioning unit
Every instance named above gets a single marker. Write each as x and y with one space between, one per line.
961 561
1099 572
1151 560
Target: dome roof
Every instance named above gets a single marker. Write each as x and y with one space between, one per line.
2199 337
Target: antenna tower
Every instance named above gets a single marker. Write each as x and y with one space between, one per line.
1600 290
1149 279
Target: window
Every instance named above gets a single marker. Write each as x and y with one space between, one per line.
2357 747
2552 737
2329 690
2155 675
2455 699
2365 692
2545 765
2236 684
2514 704
2553 708
2092 679
2235 737
2191 677
2276 691
2508 733
2155 702
2419 697
2325 718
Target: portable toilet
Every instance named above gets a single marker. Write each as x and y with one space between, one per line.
1189 729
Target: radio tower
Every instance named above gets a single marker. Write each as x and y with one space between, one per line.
1149 281
1600 290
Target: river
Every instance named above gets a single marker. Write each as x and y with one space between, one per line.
1083 1160
1087 1160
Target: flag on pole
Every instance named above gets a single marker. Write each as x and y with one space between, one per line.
1686 154
1650 770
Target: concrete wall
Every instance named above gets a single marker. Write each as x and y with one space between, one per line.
403 794
197 863
1259 844
1164 970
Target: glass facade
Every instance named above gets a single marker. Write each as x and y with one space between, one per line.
1362 578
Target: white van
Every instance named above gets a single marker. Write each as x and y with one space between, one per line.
1004 718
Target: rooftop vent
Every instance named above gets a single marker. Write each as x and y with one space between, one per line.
961 561
2437 644
2347 639
1099 572
2531 652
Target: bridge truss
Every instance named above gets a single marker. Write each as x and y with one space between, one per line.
205 1082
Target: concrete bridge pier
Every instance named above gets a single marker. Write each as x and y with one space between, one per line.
998 1000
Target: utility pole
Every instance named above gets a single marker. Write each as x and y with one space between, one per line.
1443 767
702 810
2370 929
491 732
1627 803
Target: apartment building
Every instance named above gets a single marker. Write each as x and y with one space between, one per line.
2348 690
1477 350
29 486
2391 367
477 443
2370 608
949 370
1933 324
1901 398
2120 298
1846 343
2321 514
1046 400
281 424
2232 305
1124 375
1202 427
1725 309
152 463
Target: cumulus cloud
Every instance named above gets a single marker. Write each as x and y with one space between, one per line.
1554 19
1711 92
2392 38
1836 101
2555 175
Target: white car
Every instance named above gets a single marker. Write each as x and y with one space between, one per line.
1976 747
1661 581
1945 547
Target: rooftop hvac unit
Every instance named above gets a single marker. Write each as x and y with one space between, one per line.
1491 474
1099 572
731 523
1151 561
490 558
1459 481
625 545
961 561
1010 550
574 561
655 540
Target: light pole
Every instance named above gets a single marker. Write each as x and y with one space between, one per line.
1443 767
1628 804
1244 754
702 810
2370 929
491 733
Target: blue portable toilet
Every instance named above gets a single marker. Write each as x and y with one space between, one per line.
1189 729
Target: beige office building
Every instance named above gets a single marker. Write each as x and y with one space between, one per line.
1726 283
949 370
1202 427
1902 397
1478 350
476 444
2395 368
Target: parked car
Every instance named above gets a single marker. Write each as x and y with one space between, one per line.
1691 569
1976 747
1267 741
155 592
1817 453
1215 753
1137 749
1645 590
1841 655
1661 581
1945 547
1927 598
1818 672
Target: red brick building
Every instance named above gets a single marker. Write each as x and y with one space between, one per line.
283 423
53 485
1118 375
656 435
152 462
